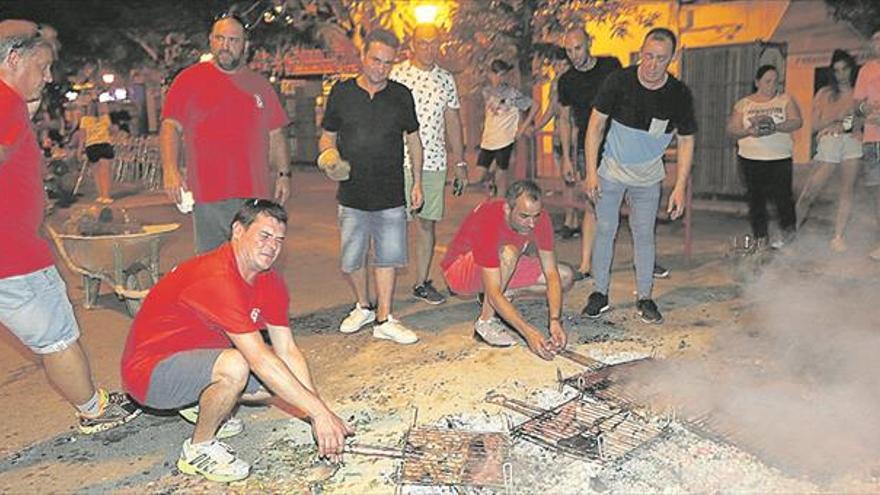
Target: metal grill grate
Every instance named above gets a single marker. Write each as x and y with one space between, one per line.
455 458
583 428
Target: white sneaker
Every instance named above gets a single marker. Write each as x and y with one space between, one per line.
214 460
357 319
394 330
229 428
493 332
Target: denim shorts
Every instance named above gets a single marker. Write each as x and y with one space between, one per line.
386 229
871 164
35 308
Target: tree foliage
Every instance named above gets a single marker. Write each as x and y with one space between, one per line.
863 15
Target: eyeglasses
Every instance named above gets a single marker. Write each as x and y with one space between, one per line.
232 15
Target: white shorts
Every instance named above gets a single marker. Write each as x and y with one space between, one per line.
835 149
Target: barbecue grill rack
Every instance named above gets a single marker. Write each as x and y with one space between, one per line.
583 428
456 458
609 384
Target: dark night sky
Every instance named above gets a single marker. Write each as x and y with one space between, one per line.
77 19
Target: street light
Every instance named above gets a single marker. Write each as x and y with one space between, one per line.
108 78
425 13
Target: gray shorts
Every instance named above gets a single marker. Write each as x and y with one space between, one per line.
35 308
212 223
178 380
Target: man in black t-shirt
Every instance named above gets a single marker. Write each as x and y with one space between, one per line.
365 123
646 107
577 88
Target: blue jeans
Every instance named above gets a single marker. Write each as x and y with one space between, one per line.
35 308
385 228
643 202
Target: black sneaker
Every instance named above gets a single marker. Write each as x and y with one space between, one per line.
567 232
596 305
117 411
579 275
660 271
649 312
426 292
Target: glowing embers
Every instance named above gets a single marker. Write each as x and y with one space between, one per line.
456 458
583 428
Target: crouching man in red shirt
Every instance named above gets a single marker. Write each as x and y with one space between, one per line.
490 254
197 339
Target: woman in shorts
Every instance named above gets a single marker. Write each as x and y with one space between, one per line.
839 145
95 138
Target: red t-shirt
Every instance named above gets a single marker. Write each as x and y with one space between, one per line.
22 199
485 230
193 307
226 120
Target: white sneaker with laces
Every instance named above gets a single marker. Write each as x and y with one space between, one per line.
229 428
493 332
394 330
214 460
357 319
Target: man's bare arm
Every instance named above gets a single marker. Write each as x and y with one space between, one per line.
454 134
170 134
279 161
508 312
285 347
326 141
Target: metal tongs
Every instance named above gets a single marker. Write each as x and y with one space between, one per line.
381 451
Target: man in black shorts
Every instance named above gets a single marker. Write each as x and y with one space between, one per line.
501 126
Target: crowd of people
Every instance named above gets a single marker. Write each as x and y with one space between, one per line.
196 344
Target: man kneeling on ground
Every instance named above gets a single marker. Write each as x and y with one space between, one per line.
197 340
489 255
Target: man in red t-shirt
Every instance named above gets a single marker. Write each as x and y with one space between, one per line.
232 128
488 256
197 339
33 297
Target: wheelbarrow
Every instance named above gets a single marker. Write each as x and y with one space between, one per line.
129 263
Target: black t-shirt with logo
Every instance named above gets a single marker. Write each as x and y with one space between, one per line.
577 90
370 134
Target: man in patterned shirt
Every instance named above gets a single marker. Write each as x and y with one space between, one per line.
437 107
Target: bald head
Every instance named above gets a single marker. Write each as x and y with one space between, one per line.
426 32
577 47
425 46
228 43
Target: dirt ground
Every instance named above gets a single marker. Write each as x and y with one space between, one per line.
382 388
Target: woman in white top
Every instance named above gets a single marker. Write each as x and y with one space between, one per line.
839 144
762 123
